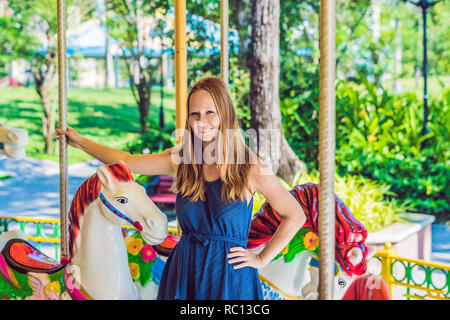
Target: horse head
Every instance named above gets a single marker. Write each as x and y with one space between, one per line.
125 201
12 142
121 200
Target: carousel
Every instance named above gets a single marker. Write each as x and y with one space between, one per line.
114 240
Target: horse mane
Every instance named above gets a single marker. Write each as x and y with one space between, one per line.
349 232
88 192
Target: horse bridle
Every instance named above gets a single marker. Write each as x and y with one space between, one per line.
118 213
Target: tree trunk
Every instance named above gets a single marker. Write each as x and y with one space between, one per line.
271 145
49 129
44 77
144 90
141 83
241 15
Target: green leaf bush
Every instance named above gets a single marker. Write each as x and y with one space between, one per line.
379 136
364 197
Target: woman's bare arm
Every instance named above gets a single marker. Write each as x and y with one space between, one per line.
150 164
293 218
292 214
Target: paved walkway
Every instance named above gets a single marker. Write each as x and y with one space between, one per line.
34 191
441 243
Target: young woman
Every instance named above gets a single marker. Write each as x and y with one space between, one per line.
216 176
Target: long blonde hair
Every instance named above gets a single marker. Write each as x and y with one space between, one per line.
233 164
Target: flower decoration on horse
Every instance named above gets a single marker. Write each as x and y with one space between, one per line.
141 258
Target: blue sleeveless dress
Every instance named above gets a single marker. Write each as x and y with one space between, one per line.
198 267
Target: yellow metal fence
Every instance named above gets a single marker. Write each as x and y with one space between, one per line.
421 280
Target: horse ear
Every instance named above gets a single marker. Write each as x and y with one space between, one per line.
105 177
12 135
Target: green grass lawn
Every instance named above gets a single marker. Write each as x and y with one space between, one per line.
109 117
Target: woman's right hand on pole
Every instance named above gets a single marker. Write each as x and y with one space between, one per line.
73 137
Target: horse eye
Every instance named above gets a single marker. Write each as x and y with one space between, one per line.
122 200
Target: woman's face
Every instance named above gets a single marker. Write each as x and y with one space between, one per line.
203 117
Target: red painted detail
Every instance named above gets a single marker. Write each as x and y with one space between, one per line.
138 226
170 242
27 256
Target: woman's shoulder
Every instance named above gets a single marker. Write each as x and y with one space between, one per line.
258 167
258 171
172 157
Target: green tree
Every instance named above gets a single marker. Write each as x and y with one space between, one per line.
10 46
31 35
136 23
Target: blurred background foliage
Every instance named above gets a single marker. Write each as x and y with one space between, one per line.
379 107
379 113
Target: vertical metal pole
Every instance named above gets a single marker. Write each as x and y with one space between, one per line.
425 74
62 102
161 109
224 40
327 122
424 5
180 71
180 65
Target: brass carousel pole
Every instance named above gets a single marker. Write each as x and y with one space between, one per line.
224 40
180 71
327 146
62 103
180 65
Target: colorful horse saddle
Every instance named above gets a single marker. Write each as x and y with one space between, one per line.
22 257
166 248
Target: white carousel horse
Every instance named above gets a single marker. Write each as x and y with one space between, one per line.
97 267
12 142
286 277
